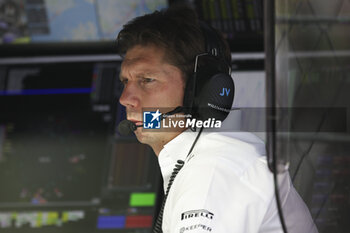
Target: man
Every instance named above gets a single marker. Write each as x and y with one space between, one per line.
224 184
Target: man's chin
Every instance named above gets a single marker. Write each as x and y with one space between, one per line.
150 138
143 137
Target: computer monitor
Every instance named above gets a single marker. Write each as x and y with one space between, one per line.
63 166
39 21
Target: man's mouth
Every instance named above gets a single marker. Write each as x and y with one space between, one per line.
136 122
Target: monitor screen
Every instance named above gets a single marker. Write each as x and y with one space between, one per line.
240 21
42 21
63 166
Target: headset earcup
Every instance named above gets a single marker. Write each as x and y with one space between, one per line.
215 98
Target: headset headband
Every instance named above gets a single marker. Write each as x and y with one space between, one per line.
213 45
209 92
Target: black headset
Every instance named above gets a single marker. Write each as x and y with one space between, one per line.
209 93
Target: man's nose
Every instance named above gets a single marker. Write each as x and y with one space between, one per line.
129 97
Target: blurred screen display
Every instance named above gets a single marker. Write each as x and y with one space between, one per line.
33 21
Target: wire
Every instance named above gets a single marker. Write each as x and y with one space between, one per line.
195 141
269 21
178 166
176 170
277 195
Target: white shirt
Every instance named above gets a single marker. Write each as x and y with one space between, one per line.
225 186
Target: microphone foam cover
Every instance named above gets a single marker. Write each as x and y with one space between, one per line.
126 127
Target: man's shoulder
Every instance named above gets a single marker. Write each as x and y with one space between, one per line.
226 159
234 140
239 149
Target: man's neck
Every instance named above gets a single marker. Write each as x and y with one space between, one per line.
158 147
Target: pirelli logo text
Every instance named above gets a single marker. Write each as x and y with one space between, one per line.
196 214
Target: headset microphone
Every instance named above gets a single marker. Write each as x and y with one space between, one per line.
127 127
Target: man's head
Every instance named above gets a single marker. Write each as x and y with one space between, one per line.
160 50
176 30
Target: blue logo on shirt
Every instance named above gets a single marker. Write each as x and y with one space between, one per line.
151 120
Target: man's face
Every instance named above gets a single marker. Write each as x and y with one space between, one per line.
149 81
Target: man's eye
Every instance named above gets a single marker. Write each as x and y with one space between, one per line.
124 81
147 80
